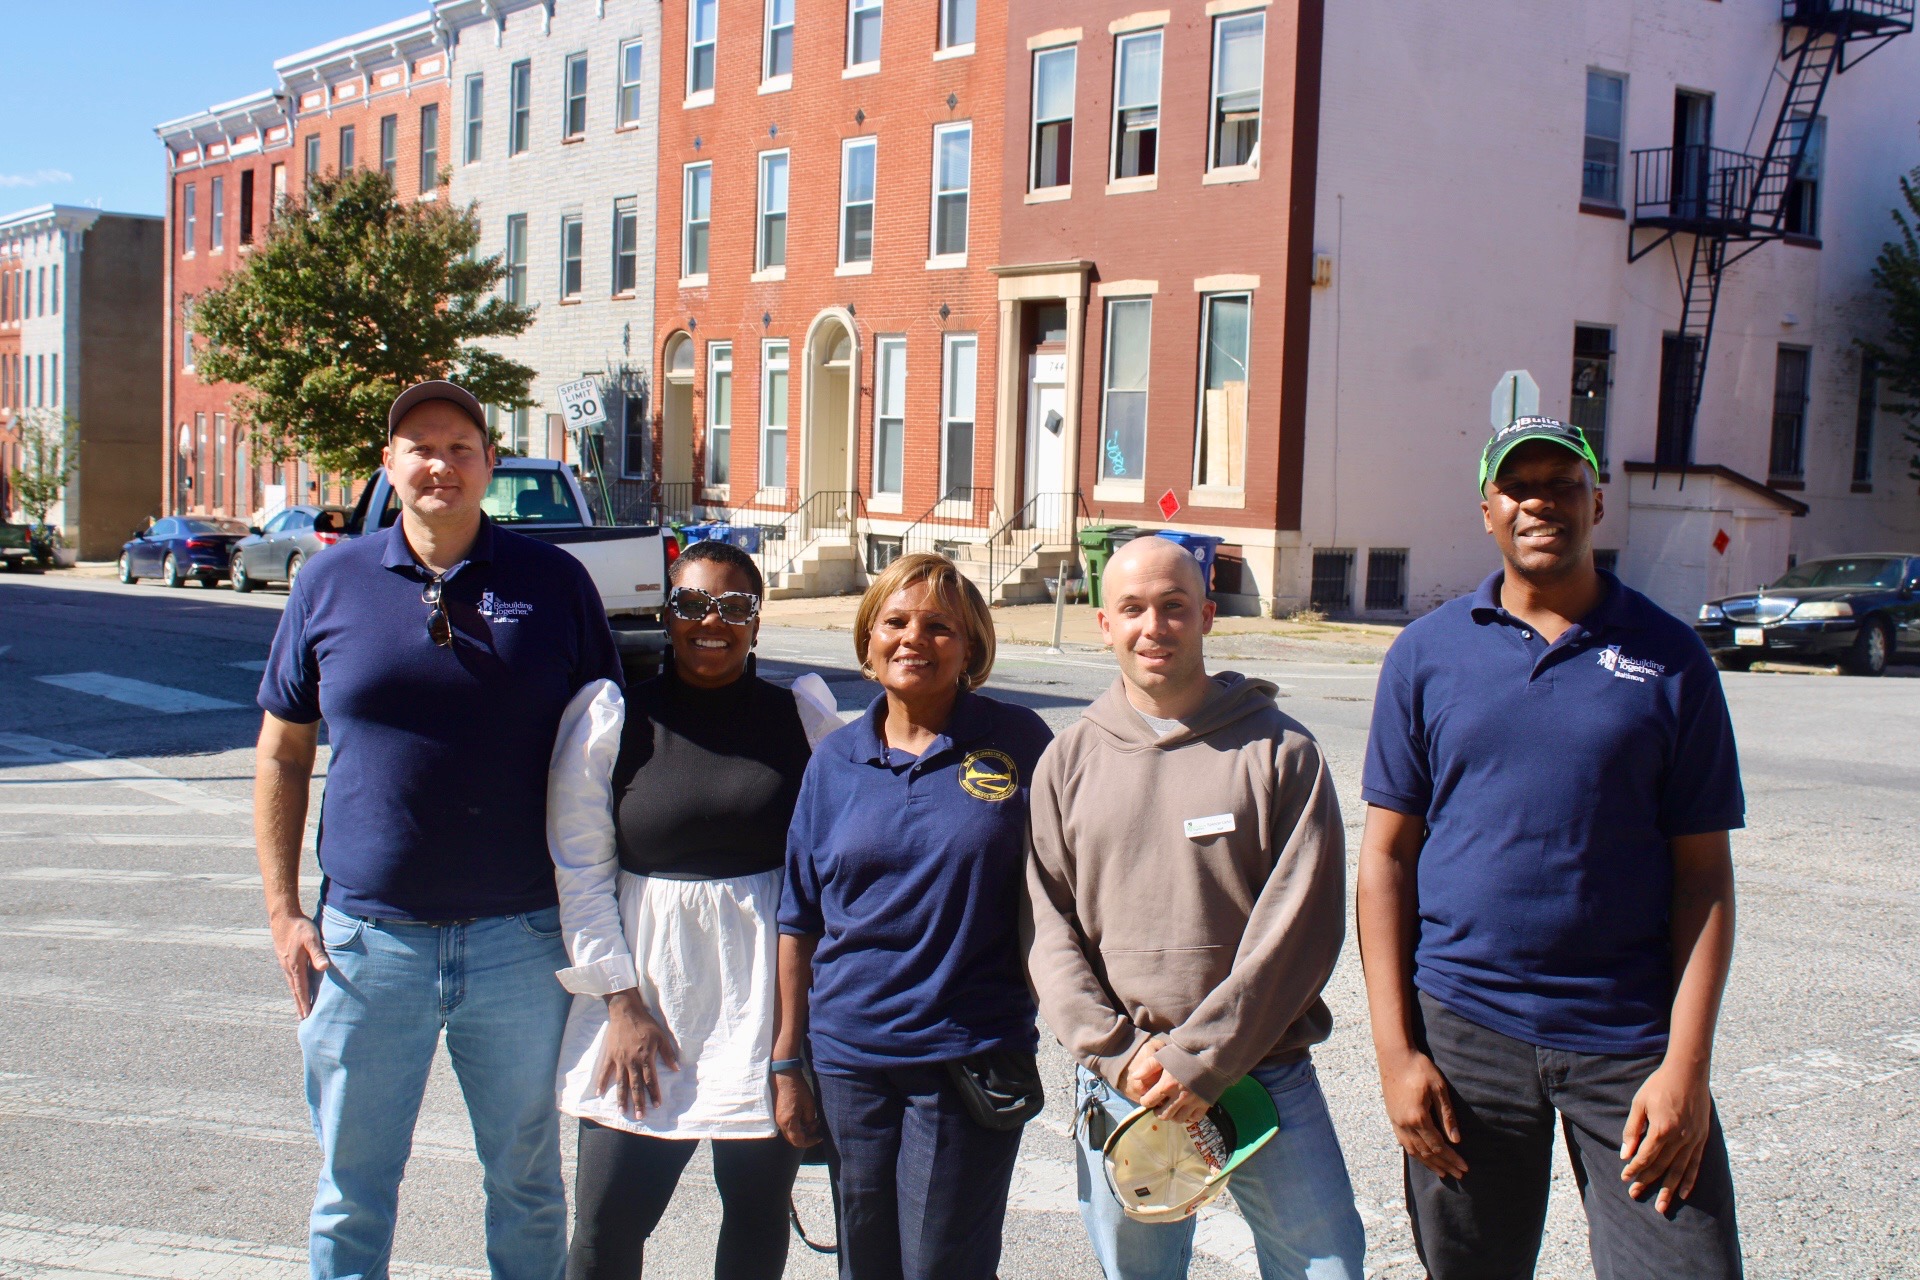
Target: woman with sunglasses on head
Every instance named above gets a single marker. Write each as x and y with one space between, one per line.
667 820
900 963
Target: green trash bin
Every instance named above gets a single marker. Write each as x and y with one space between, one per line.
1097 541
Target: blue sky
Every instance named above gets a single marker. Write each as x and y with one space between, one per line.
77 115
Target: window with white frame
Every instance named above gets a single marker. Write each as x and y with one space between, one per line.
572 241
429 147
1136 105
696 205
390 148
952 174
1606 123
719 411
216 224
515 259
476 117
960 375
1220 448
346 149
1803 191
186 333
773 414
189 221
519 107
626 246
1123 405
772 234
889 414
779 41
1050 153
313 162
573 97
703 28
956 23
857 157
630 100
863 32
1239 61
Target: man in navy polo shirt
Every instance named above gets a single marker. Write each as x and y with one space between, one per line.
1546 897
441 652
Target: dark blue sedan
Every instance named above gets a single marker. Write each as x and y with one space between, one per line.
176 548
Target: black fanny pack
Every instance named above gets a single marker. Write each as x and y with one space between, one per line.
1001 1087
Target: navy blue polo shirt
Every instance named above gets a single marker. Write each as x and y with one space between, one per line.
909 871
436 798
1551 778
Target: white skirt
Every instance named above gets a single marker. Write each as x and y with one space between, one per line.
704 952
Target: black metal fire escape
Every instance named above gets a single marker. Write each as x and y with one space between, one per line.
1729 203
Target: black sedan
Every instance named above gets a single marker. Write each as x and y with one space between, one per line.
176 548
278 551
1858 611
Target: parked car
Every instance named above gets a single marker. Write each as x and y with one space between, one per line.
275 552
1858 611
542 498
176 548
22 545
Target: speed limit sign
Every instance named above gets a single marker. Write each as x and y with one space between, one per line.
580 402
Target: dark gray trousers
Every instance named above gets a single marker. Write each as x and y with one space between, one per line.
1487 1226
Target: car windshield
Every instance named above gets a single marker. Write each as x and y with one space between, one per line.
530 497
213 526
1875 571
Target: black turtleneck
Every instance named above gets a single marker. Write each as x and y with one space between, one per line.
707 778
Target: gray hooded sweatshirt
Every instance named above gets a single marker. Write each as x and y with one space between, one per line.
1191 886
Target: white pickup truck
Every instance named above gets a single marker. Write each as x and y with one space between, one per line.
541 498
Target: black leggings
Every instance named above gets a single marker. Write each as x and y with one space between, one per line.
626 1179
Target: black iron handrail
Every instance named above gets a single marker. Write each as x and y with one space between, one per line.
1047 519
1693 184
823 514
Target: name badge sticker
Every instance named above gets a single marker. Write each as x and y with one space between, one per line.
1218 824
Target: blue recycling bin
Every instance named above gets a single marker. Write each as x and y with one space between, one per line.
701 532
744 536
1201 546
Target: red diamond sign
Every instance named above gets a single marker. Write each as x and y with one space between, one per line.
1168 505
1721 542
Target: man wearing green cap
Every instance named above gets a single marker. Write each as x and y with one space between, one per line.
1546 896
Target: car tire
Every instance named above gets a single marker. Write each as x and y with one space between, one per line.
1733 662
293 568
238 579
170 572
126 569
1871 647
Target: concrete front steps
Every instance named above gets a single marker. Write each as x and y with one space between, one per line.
829 567
1025 585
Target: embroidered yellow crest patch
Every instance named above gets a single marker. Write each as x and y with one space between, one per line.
989 775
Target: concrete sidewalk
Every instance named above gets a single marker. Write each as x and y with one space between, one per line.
1033 624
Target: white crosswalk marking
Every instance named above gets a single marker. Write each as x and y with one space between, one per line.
35 1247
131 774
139 693
76 930
122 875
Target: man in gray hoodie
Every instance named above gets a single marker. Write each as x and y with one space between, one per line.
1187 886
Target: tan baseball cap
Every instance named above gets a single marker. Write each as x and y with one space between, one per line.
437 389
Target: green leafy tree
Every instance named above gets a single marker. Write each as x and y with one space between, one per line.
353 296
49 452
1896 274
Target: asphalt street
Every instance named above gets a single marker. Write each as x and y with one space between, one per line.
152 1122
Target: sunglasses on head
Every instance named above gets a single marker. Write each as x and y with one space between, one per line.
693 605
439 627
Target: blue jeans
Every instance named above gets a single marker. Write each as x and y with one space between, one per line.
369 1044
1294 1194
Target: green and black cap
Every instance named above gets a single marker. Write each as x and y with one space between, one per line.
1521 430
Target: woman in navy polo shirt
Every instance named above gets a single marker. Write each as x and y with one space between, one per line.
899 959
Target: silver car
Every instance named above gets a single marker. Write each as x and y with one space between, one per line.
276 552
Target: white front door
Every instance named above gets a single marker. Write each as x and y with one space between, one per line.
1046 463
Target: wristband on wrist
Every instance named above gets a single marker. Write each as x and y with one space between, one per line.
778 1065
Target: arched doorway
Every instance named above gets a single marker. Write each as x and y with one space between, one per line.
676 416
832 366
